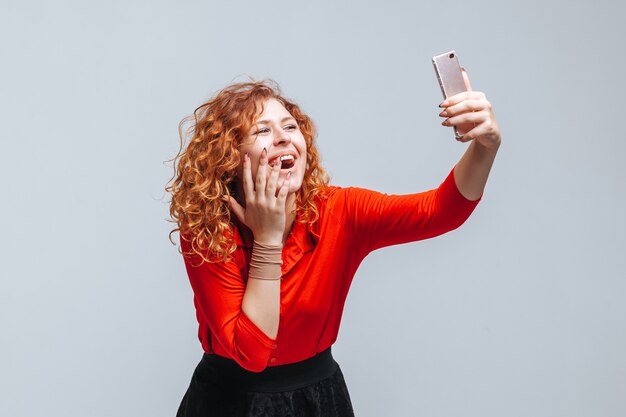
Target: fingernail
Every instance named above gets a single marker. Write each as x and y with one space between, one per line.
444 103
264 154
288 174
247 157
443 113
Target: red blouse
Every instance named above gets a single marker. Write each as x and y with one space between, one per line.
319 262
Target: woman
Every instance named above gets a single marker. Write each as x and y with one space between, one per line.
271 249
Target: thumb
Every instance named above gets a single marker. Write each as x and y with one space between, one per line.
466 79
239 211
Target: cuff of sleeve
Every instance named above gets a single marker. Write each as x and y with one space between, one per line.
452 190
261 337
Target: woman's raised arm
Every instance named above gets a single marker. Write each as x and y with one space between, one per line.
473 116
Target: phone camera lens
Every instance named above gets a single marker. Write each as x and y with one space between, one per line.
451 56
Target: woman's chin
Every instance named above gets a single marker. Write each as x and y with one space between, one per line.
293 190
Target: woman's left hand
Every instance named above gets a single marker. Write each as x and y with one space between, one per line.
472 115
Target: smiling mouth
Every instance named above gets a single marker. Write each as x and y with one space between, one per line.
286 161
287 164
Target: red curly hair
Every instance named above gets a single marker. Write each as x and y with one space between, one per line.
205 172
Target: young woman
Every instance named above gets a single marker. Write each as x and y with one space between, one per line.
271 248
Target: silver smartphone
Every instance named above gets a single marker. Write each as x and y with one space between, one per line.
449 76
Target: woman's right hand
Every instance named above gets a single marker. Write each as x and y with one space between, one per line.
264 213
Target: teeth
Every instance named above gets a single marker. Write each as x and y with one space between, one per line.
283 158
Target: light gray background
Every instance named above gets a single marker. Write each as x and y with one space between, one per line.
519 312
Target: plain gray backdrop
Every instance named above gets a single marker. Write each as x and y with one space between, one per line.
520 312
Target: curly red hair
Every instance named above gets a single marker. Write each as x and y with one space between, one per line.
205 172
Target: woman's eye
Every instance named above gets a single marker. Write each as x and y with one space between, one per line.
265 130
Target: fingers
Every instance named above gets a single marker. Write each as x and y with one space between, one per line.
464 106
284 190
466 95
237 209
264 212
279 183
466 79
474 133
272 181
467 114
248 184
475 117
268 183
261 173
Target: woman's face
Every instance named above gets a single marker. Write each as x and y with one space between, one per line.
277 131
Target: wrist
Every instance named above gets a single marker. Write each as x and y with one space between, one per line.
490 145
266 261
273 241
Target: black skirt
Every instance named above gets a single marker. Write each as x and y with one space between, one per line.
220 387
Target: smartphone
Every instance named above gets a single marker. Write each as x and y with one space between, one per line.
449 76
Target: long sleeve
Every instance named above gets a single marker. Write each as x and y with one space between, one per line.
218 290
375 220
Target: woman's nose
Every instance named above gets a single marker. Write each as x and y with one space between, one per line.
282 136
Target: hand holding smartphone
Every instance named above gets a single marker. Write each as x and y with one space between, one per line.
450 79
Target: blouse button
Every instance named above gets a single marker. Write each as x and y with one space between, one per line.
272 360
